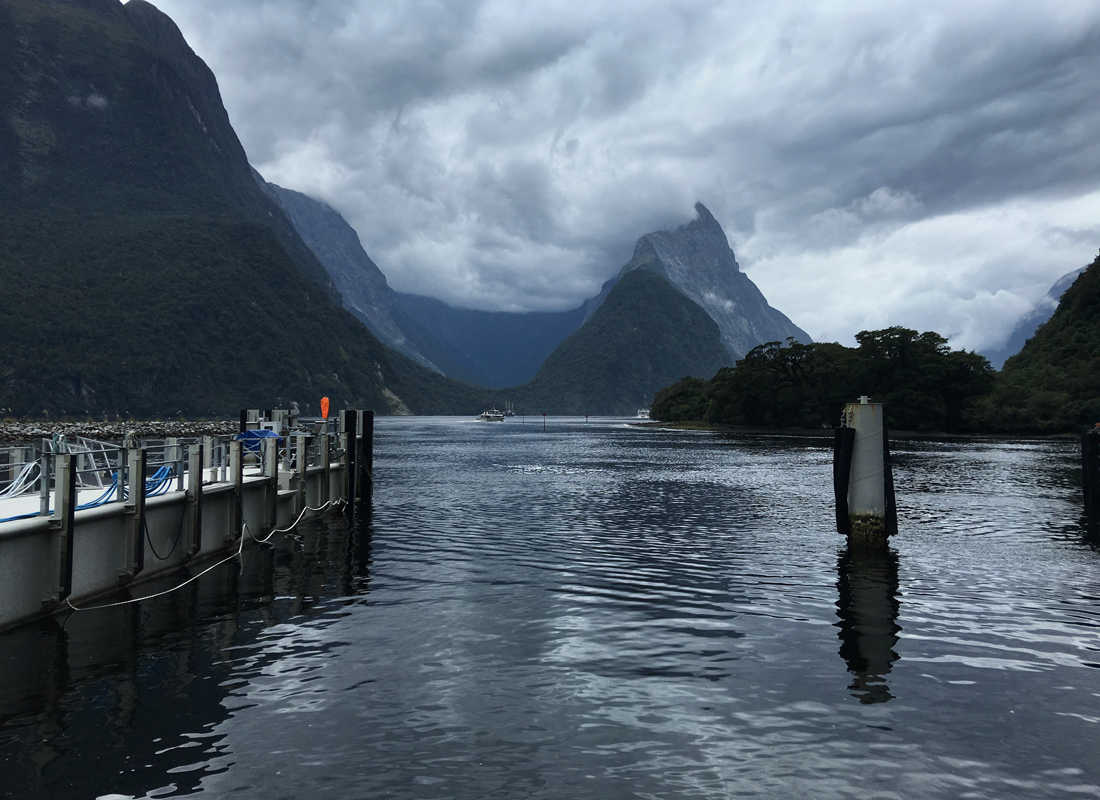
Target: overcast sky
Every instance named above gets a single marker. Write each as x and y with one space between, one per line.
928 164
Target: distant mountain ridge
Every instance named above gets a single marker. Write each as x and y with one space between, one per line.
500 349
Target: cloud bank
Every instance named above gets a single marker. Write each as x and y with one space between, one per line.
930 164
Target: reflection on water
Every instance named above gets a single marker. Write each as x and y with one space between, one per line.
867 585
599 611
119 698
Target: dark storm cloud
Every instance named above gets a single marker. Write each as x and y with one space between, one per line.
931 164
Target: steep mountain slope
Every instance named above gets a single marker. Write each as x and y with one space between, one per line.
361 284
483 347
1053 383
645 335
697 260
143 269
1029 323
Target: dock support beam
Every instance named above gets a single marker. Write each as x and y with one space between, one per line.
236 477
301 467
351 436
63 524
271 472
135 506
196 456
326 460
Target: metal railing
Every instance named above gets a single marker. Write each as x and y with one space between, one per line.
28 470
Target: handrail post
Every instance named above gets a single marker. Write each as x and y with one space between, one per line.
45 468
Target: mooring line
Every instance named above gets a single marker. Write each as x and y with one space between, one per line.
240 549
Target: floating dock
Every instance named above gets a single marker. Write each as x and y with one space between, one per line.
81 519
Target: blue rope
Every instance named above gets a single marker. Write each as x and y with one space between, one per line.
158 484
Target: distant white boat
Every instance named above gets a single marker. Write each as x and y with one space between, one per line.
492 415
509 411
643 413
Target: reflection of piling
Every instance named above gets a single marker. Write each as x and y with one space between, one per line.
867 605
863 481
1090 463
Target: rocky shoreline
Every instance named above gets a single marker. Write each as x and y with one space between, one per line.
23 432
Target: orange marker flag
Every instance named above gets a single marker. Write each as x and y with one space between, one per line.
324 408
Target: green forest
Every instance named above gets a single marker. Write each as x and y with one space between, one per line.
1051 386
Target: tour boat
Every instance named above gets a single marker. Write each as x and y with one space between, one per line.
492 415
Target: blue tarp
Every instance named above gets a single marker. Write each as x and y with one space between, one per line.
252 439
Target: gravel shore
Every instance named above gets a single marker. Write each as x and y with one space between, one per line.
31 432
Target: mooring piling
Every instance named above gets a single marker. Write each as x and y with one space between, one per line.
64 525
843 440
366 477
134 506
1090 467
862 477
197 459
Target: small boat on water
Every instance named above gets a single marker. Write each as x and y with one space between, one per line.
643 413
492 415
509 411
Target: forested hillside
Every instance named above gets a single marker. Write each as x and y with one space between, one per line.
144 272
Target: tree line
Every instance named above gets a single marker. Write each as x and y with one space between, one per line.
922 382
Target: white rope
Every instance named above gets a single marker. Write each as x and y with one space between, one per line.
240 549
24 479
294 524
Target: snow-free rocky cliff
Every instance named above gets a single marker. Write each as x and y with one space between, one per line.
696 258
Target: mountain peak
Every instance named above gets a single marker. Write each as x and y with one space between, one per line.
697 259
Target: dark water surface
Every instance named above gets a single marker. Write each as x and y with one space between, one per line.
599 611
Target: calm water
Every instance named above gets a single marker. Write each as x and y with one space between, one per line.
599 611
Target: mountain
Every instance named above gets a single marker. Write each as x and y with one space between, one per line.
1029 323
489 348
645 335
144 270
1053 383
696 258
363 287
483 347
500 349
